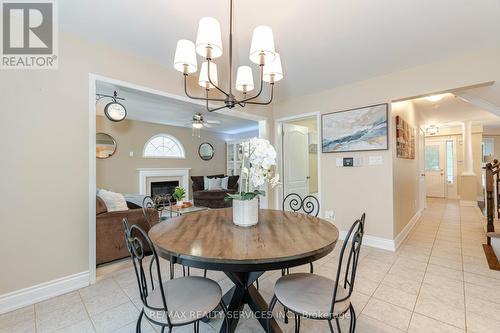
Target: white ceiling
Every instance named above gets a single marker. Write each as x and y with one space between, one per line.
323 43
158 109
452 110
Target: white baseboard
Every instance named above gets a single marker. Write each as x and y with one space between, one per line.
468 203
384 243
373 241
406 230
31 295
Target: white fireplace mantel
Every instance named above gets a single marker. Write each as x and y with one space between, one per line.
148 174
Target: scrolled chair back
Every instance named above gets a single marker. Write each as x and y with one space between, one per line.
352 243
135 239
154 205
308 205
148 208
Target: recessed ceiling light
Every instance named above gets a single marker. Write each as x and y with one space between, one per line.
435 98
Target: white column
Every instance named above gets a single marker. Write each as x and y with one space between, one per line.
468 169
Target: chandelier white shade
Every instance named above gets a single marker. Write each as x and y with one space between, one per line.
185 57
204 80
244 79
209 40
262 47
209 46
273 71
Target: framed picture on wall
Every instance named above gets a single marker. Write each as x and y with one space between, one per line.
405 139
361 129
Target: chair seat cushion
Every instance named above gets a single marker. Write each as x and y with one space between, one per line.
310 295
188 299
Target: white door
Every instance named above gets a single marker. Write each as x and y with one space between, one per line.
421 169
434 169
295 160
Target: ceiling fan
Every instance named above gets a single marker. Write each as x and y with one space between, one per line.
199 122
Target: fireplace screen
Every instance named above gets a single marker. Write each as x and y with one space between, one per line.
162 188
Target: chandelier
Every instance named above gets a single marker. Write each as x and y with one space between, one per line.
209 47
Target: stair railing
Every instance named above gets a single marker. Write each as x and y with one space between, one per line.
492 181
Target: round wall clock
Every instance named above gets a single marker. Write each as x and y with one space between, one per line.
115 111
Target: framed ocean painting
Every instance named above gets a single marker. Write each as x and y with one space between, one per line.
358 129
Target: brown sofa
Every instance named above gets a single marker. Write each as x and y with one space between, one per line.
110 236
213 198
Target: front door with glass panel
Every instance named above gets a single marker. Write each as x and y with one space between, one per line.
435 184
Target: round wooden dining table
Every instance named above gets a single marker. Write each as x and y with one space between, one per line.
209 240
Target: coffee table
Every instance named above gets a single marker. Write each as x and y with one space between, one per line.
182 211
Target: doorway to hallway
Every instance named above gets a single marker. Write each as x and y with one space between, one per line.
440 168
298 156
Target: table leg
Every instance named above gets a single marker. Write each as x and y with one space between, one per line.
245 293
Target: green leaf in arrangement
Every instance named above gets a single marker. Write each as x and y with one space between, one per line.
244 195
236 196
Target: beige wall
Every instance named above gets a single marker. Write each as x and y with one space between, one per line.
496 143
45 115
493 133
405 171
350 191
119 172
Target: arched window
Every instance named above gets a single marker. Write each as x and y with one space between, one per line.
163 146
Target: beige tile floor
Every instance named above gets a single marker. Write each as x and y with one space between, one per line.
437 281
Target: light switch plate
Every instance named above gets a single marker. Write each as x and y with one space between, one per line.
131 154
330 214
375 160
358 161
339 162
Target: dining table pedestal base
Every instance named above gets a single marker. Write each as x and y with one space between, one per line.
244 292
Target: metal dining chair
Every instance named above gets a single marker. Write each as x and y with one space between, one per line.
176 302
318 297
157 206
308 205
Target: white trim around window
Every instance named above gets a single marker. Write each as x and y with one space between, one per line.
170 146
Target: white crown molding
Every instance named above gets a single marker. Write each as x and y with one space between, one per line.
43 291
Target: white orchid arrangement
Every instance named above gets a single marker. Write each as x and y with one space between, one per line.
257 164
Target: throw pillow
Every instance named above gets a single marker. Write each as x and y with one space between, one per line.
114 201
224 183
214 184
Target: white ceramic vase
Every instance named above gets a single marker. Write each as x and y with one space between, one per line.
179 202
246 212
